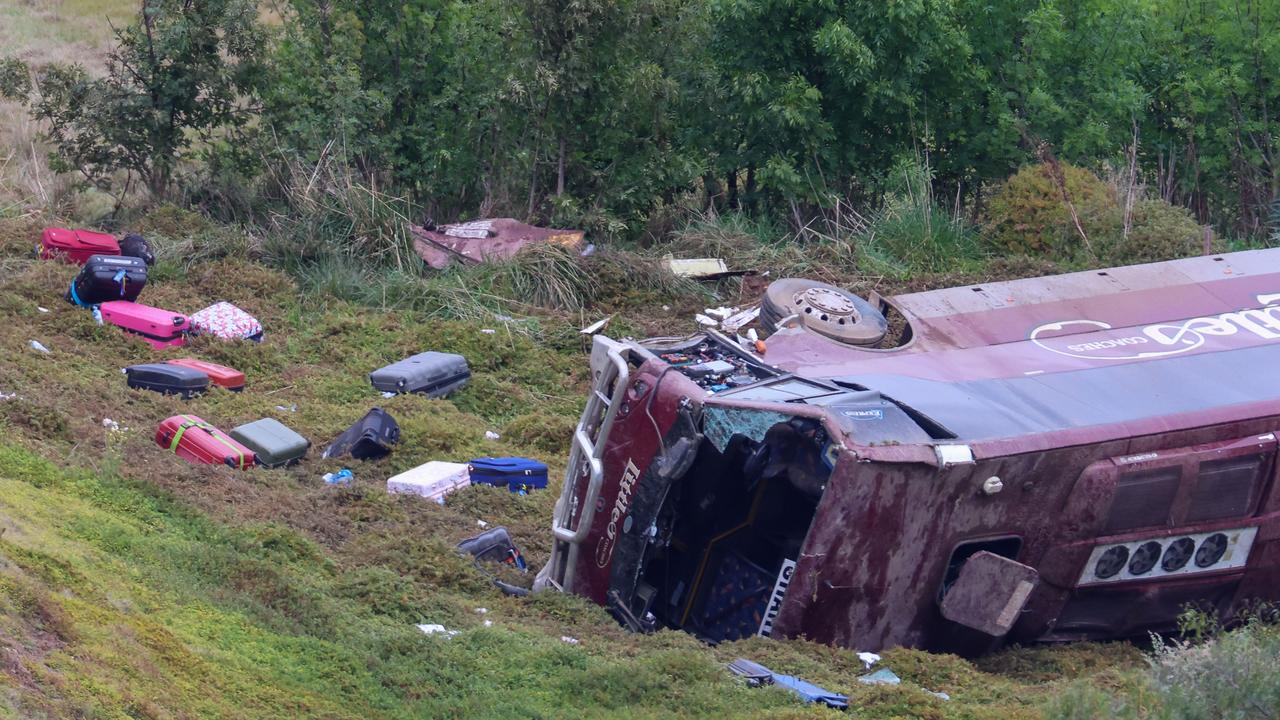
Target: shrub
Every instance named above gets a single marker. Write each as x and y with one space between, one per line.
1027 214
1157 231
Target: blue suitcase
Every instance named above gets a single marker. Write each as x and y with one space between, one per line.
519 475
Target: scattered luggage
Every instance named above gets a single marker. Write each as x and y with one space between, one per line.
219 375
200 443
369 439
434 374
108 277
137 246
494 546
167 379
75 246
431 480
160 328
226 321
519 475
272 443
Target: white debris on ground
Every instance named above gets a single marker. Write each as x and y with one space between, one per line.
482 524
488 331
705 321
110 424
36 345
42 309
491 435
570 640
436 629
868 658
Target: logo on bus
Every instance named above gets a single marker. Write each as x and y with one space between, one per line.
1160 339
604 548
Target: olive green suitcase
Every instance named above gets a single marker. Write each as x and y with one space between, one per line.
274 444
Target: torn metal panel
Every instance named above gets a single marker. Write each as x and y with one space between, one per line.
483 241
990 593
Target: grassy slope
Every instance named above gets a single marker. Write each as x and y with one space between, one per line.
133 584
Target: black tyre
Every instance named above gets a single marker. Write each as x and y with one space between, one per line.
824 309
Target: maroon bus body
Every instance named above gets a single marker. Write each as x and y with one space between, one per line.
1075 457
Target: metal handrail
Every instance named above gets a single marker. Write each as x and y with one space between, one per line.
618 373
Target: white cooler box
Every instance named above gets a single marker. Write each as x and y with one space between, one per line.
433 480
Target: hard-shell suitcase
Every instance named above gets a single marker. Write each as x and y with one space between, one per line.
226 321
219 375
369 439
161 328
432 480
494 546
168 379
519 475
273 444
76 246
198 442
434 374
137 246
108 277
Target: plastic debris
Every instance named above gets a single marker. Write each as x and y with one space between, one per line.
721 313
705 321
388 394
8 396
666 308
488 331
342 477
596 327
482 523
42 309
97 315
570 640
35 345
110 424
697 268
868 658
883 676
488 623
757 675
436 629
739 319
290 408
939 694
589 250
491 435
482 611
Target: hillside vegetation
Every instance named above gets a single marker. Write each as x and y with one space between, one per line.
275 154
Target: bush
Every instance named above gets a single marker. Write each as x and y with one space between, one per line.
1157 231
1027 215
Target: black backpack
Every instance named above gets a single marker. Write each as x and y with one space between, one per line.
137 246
369 439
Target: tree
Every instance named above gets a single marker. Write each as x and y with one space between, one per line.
179 82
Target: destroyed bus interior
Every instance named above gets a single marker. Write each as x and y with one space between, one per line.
730 527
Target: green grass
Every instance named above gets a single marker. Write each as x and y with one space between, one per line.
135 585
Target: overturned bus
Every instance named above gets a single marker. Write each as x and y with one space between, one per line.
1072 457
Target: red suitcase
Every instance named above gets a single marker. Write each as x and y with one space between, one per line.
221 375
76 246
161 328
198 442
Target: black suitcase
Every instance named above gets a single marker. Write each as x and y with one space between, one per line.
494 546
168 379
369 439
434 374
108 277
137 246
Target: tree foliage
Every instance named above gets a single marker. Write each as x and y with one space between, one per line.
178 83
604 112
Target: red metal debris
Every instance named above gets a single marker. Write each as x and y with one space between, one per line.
481 241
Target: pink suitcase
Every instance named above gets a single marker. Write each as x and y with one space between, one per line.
161 328
76 246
